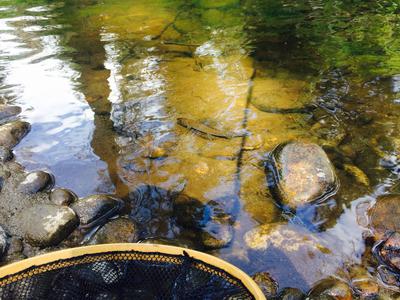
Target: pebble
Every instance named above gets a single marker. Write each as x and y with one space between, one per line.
330 289
268 286
291 294
47 224
36 182
62 196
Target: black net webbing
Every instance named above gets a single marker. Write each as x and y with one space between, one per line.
124 275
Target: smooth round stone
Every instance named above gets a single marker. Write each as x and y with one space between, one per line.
268 286
36 182
291 294
385 215
62 196
8 111
12 133
47 224
96 209
122 230
330 289
299 173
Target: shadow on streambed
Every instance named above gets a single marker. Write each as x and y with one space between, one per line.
174 218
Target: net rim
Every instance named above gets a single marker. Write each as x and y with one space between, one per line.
50 257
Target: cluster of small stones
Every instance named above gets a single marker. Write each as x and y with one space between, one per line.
35 217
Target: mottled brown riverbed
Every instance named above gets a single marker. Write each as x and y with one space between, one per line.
103 84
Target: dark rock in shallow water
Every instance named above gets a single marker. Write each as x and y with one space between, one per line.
96 209
291 294
330 289
389 251
121 230
299 173
36 182
8 111
62 196
47 224
216 236
365 288
268 286
385 216
12 133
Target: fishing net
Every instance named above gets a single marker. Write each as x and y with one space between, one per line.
125 274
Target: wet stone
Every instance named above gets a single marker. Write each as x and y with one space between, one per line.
390 251
268 286
62 196
291 294
12 133
330 289
299 173
47 224
3 241
216 236
366 289
36 182
5 154
8 111
385 215
96 209
122 230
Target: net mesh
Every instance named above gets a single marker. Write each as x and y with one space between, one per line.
124 275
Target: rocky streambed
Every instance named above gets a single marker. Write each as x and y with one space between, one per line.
36 218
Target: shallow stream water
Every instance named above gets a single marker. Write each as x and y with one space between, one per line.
104 82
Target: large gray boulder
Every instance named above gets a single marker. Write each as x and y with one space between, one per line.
299 173
47 224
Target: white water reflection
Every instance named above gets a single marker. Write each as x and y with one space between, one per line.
45 86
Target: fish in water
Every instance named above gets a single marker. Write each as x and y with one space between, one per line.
207 131
296 110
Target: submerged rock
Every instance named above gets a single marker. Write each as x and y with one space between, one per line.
299 173
389 251
330 289
62 196
36 182
47 224
291 294
216 236
268 286
8 111
96 209
121 230
365 288
12 133
385 216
